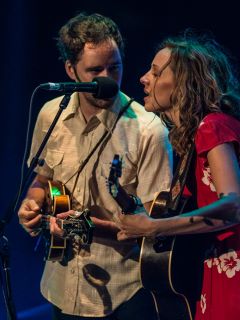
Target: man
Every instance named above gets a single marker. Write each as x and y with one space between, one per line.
101 280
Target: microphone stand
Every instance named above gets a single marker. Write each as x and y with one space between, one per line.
4 249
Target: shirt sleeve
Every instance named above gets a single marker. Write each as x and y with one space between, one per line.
213 132
155 162
38 136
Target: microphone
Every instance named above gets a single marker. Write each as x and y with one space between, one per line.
101 87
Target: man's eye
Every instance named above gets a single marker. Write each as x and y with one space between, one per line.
96 70
114 67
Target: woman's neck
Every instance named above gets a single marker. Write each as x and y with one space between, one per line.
173 116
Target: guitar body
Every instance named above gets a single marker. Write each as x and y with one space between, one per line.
171 268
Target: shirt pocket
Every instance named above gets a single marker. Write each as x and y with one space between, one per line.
54 161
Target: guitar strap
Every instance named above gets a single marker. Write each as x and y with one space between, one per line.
179 178
101 141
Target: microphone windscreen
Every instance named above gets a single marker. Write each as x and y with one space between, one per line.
107 87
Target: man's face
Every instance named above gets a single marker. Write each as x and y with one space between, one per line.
102 60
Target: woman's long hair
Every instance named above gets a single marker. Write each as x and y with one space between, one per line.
205 83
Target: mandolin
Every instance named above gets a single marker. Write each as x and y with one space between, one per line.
78 226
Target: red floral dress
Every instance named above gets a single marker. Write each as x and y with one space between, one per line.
220 295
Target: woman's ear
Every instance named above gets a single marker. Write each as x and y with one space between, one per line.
70 70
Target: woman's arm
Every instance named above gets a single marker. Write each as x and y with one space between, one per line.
225 172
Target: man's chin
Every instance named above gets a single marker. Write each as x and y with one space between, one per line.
104 103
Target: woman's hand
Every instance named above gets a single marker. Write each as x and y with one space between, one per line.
135 226
105 228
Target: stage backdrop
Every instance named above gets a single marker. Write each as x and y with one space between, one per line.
29 58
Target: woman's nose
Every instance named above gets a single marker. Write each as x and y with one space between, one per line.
144 79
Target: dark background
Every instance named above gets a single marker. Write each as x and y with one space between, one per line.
29 57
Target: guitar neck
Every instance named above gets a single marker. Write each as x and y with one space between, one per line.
45 222
127 202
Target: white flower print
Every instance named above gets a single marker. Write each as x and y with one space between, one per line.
213 262
207 179
218 264
209 263
229 263
211 257
203 303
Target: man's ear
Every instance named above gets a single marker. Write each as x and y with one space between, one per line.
70 70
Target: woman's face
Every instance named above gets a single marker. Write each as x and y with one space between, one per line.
159 83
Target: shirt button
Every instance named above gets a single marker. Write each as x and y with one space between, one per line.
72 270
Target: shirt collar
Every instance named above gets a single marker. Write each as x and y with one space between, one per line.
72 107
107 116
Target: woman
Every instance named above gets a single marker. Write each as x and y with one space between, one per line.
192 86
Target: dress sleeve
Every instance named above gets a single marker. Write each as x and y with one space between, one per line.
214 131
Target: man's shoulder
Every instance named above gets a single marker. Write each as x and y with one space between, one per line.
145 118
147 124
138 112
52 105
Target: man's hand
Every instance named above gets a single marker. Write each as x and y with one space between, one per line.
29 216
54 225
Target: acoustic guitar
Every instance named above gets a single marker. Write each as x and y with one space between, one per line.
78 226
170 267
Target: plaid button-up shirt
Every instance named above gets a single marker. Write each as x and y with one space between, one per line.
104 274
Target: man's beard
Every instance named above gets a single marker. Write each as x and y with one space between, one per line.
99 103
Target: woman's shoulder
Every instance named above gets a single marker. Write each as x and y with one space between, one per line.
216 128
219 117
218 121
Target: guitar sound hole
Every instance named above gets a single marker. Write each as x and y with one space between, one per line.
159 244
